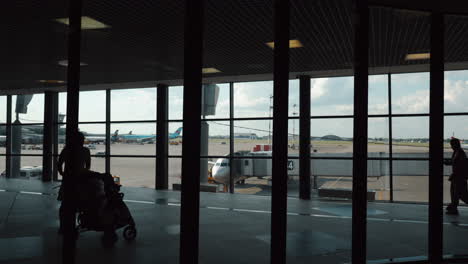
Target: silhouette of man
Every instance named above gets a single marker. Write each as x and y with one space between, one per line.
458 186
83 162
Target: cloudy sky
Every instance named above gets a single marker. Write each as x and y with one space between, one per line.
329 96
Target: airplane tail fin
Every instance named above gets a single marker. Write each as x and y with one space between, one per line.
130 132
178 131
116 133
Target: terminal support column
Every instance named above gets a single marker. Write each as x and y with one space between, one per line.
108 130
190 190
8 137
280 132
48 133
73 93
359 212
436 138
162 180
55 136
231 137
304 134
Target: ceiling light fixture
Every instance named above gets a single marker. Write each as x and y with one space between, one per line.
65 63
418 56
293 43
86 23
210 70
51 81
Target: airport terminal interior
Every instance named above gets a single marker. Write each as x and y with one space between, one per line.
260 131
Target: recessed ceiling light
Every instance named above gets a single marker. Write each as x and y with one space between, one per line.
51 81
65 63
293 43
418 56
210 70
86 23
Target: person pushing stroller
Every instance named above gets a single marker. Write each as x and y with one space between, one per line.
83 162
100 204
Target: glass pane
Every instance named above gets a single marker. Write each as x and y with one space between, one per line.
92 106
95 138
175 135
175 173
252 135
30 107
378 95
410 93
62 107
410 137
3 109
133 139
253 99
332 137
26 167
221 108
2 163
134 172
332 96
294 96
176 102
455 91
218 139
331 174
411 180
293 138
378 179
252 174
27 139
378 130
98 163
454 126
133 104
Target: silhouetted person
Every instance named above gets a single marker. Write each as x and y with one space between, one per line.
458 186
83 162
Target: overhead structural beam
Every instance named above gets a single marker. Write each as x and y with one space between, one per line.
304 134
162 176
190 196
361 49
436 138
280 132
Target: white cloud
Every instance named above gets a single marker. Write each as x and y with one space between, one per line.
318 88
418 102
245 97
456 95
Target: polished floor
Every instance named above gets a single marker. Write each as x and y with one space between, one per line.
233 229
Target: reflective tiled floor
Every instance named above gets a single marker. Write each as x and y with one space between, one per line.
233 229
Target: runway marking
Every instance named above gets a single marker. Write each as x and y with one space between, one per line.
334 183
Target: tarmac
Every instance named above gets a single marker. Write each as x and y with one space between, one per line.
140 172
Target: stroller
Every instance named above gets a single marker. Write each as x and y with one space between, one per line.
101 208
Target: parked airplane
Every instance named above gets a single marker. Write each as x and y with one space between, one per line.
130 137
